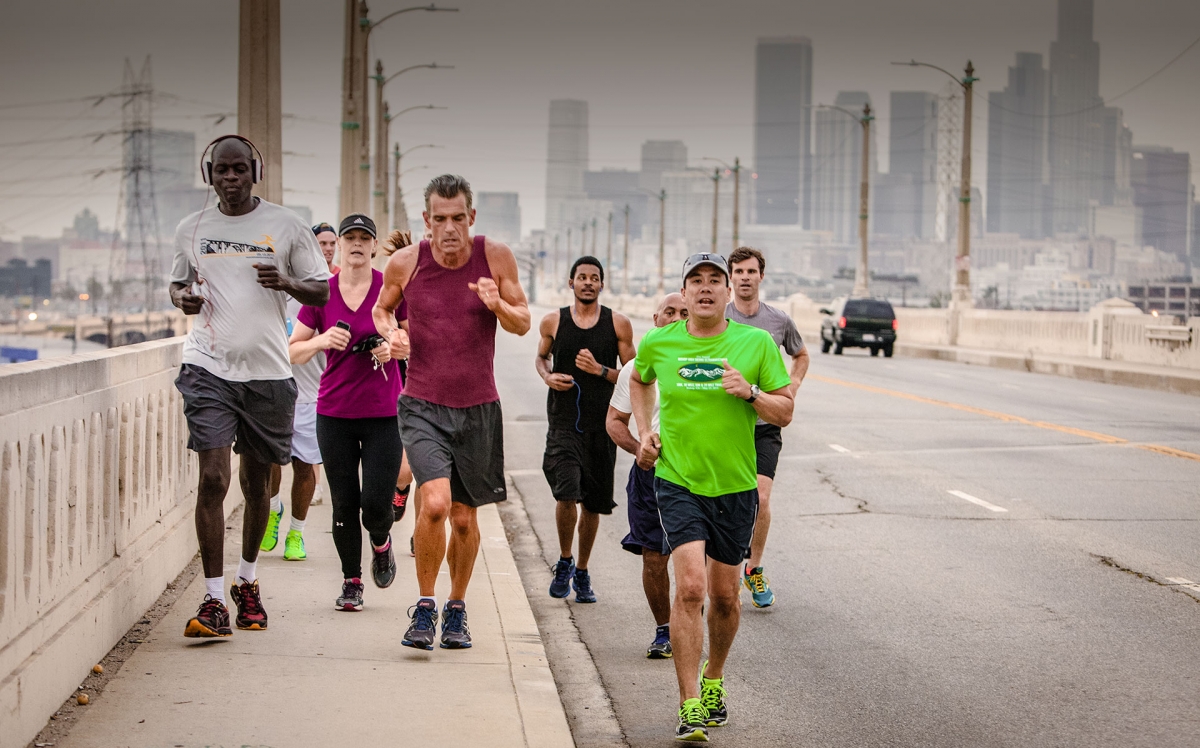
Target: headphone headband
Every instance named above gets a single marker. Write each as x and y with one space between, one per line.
256 164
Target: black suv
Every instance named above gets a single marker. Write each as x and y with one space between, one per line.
859 323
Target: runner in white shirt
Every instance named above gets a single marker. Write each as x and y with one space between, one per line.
235 266
645 536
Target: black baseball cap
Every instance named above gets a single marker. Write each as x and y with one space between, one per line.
322 227
705 258
358 221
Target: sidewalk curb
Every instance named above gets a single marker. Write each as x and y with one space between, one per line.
580 690
543 715
1129 375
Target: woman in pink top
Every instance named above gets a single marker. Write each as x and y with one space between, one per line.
356 409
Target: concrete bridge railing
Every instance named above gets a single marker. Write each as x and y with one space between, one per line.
96 499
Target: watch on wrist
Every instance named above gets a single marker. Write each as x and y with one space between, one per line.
604 371
754 393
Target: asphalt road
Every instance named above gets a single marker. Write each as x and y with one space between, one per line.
908 615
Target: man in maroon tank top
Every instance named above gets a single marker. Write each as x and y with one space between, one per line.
457 288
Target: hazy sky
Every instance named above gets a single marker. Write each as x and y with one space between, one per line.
649 69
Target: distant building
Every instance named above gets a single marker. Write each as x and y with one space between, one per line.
659 156
689 208
566 161
1017 190
36 248
1161 179
1177 297
19 278
622 187
498 215
905 203
837 168
783 130
175 166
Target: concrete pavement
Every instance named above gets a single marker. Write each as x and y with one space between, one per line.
320 677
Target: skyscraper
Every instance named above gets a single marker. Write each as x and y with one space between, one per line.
1076 141
1017 151
906 200
498 215
566 161
1162 188
837 167
782 130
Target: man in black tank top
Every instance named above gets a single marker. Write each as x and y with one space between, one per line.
578 359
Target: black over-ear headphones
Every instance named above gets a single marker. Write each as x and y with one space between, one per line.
256 164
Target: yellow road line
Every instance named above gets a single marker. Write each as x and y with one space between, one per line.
1006 417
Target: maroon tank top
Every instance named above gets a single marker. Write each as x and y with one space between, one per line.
452 332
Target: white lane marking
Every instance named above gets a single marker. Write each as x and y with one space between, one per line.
968 497
1184 583
839 448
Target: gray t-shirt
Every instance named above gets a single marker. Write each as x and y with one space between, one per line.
240 333
308 376
778 324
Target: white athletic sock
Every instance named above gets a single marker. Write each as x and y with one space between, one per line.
247 570
276 504
215 587
434 599
297 525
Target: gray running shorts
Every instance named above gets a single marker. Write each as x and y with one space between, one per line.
465 445
254 417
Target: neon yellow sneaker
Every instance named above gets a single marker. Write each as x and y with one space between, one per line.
712 697
691 726
293 546
271 536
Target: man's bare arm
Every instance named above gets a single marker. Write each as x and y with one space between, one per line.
799 368
641 397
543 362
616 424
510 306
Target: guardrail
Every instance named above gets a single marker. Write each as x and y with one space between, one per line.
96 498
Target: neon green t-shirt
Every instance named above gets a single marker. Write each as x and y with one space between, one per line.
707 434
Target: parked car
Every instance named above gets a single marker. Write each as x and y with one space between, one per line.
859 323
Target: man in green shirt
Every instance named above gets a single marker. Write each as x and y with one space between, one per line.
715 378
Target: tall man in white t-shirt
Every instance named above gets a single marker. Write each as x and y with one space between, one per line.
235 267
645 536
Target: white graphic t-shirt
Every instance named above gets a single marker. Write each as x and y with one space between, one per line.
308 376
240 333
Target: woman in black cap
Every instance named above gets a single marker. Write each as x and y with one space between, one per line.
356 409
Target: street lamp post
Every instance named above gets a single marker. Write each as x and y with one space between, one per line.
398 155
737 187
861 278
608 244
383 134
662 240
716 178
961 298
625 257
593 237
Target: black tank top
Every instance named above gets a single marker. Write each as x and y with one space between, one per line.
584 407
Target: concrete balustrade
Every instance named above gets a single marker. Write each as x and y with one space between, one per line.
96 499
1060 333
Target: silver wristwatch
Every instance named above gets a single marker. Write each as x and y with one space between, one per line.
754 393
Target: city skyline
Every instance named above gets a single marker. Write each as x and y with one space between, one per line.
495 132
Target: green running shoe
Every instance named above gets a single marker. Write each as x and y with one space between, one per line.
271 536
691 722
760 589
712 696
293 546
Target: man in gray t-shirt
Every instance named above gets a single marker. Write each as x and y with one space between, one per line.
746 268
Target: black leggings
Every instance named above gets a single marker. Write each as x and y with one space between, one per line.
344 443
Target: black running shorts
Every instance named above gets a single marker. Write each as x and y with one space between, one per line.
724 523
768 443
579 467
465 445
254 417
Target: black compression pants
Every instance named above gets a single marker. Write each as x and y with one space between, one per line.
346 443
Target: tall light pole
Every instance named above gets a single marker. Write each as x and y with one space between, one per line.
398 156
593 237
399 217
568 248
625 258
356 151
662 240
608 245
382 132
736 169
554 284
961 297
716 178
259 114
861 278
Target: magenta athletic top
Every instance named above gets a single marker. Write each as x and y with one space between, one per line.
350 385
453 334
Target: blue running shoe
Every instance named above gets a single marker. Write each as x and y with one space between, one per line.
563 571
455 634
583 587
760 590
423 627
661 648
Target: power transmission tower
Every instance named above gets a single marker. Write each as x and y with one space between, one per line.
137 206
